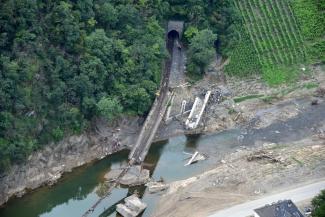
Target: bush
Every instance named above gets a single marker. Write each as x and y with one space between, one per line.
318 204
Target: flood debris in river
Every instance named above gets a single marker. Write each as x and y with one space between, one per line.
135 176
155 187
195 158
132 207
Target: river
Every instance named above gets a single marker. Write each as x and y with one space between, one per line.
78 190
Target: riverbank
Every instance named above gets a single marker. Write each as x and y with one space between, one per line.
45 167
48 165
282 144
247 174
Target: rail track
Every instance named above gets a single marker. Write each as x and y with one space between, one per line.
151 124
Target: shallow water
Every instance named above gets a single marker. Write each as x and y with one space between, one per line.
77 191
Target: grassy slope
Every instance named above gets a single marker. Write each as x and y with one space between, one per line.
272 41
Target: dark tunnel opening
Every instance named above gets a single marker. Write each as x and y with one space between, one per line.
217 45
173 34
171 37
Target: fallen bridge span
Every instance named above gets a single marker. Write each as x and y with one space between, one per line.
158 109
153 120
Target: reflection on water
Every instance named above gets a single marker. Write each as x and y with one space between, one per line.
80 189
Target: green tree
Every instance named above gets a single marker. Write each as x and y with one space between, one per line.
66 31
201 51
137 100
109 108
190 32
318 204
107 15
63 63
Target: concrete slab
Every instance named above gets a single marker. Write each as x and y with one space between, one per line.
133 207
135 176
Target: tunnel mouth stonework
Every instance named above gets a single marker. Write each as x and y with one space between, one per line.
175 29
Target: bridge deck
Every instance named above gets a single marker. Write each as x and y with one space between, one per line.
149 129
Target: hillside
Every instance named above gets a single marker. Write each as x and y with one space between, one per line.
276 38
64 64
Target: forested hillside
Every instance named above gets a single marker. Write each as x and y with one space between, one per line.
63 63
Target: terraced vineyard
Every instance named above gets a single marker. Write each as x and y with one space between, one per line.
274 36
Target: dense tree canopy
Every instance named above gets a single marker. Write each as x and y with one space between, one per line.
62 63
201 50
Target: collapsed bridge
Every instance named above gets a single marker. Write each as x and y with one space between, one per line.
152 122
158 109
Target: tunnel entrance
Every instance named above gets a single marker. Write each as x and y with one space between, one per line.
173 34
217 45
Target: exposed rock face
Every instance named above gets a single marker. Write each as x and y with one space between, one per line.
46 166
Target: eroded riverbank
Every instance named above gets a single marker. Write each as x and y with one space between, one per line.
254 121
79 189
76 191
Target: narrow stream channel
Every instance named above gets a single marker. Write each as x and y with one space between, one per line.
78 190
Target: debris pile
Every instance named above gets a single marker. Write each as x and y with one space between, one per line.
314 102
155 187
216 96
133 207
263 155
320 92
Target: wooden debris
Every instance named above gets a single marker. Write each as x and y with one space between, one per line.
195 158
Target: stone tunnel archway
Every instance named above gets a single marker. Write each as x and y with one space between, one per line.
173 34
175 29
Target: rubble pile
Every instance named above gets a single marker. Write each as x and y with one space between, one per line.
320 92
263 155
133 207
155 187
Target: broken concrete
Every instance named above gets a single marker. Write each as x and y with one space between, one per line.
155 187
135 176
133 207
197 111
